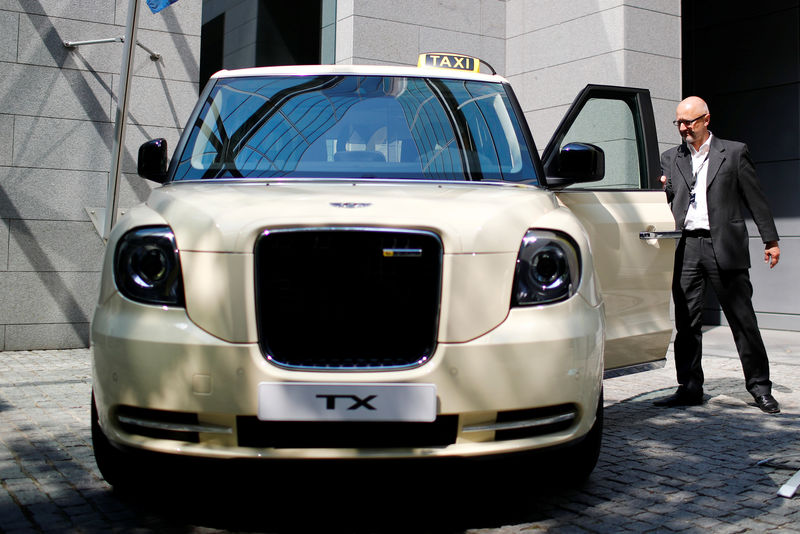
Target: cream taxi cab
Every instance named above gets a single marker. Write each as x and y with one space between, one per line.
372 262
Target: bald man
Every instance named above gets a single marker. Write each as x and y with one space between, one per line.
707 179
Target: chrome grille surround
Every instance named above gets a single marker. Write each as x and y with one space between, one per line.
348 298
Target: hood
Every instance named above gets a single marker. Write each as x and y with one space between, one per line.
222 216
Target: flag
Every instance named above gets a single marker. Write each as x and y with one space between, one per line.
157 5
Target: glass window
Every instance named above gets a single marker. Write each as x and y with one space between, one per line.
610 125
356 127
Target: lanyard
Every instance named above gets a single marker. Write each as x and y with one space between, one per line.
696 174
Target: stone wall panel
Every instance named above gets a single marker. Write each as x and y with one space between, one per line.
54 246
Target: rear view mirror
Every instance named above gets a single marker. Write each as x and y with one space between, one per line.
152 160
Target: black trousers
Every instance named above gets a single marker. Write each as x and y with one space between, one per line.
695 267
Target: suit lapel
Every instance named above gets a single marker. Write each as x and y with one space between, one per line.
684 164
716 156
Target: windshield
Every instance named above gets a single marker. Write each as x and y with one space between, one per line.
349 126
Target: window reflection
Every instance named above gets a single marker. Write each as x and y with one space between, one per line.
356 127
611 125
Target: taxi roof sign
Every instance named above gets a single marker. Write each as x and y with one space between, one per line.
449 61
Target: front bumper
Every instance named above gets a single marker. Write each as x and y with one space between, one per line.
540 369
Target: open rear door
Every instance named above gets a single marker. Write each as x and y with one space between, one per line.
628 220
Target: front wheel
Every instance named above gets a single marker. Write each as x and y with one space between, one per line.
571 465
578 461
117 468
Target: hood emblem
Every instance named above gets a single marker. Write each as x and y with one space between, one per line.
351 205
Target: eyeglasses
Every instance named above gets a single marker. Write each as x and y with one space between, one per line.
684 122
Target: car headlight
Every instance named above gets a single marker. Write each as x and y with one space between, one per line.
548 268
147 267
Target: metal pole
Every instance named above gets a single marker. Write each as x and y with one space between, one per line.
122 113
73 44
155 56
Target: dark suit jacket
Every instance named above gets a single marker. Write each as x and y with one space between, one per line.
731 183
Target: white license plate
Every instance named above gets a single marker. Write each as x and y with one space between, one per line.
294 401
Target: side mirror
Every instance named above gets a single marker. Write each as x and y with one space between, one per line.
152 161
577 163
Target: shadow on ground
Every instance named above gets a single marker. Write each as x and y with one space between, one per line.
350 497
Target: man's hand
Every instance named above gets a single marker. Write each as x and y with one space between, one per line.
772 253
663 181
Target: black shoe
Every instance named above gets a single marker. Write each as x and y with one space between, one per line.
681 397
767 403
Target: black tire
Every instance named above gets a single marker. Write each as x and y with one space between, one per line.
580 460
117 468
571 465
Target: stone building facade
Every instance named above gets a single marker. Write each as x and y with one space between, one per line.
57 109
57 106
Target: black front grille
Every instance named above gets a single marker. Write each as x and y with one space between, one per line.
255 433
348 298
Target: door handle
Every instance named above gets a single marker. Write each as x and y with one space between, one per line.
673 234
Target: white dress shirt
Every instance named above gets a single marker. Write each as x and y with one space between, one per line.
697 215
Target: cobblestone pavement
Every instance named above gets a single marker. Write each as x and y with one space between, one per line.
690 469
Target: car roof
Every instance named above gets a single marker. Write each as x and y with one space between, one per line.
371 70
